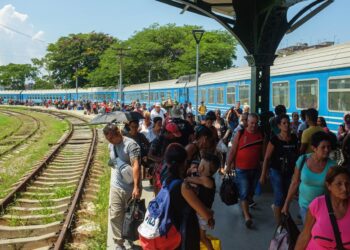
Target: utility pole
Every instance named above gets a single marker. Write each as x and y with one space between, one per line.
121 53
76 82
149 87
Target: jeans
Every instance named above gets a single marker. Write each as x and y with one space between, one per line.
303 212
280 185
246 181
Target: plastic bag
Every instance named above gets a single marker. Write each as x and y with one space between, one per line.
286 234
216 243
221 147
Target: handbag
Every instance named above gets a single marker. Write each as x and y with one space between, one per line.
215 242
334 223
124 168
134 216
228 190
221 147
286 234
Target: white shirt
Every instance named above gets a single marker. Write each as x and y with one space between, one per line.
161 114
189 110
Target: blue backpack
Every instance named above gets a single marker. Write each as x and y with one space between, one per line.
157 222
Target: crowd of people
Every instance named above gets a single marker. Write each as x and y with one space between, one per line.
299 156
302 159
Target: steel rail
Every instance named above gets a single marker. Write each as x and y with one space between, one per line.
22 186
67 225
24 139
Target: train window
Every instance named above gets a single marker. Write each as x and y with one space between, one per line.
211 95
176 96
244 94
339 94
168 95
202 95
280 94
220 95
162 95
307 94
231 95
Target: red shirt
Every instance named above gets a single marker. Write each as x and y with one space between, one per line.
249 151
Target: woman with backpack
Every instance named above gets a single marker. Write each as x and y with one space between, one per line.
280 157
183 230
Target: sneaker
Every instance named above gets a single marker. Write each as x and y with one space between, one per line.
128 245
252 203
119 247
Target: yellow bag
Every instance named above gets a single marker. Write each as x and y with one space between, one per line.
214 241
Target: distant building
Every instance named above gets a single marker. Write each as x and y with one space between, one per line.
301 47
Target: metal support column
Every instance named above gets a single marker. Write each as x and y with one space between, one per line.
197 69
260 87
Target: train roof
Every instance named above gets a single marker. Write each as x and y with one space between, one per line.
68 91
10 92
310 60
155 85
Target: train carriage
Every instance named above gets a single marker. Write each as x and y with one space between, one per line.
318 78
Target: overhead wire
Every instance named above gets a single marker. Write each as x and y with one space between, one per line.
22 33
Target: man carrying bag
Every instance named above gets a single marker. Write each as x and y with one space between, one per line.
125 181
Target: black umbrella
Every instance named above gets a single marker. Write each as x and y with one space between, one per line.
116 116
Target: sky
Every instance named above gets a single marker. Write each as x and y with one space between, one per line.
28 26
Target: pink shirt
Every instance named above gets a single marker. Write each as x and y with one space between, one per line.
322 236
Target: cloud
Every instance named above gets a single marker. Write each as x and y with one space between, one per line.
20 39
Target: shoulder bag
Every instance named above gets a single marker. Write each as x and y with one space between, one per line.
334 223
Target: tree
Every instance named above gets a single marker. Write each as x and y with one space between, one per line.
168 51
76 56
14 76
42 84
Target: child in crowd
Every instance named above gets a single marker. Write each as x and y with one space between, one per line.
202 180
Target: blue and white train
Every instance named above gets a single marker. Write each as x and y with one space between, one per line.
318 78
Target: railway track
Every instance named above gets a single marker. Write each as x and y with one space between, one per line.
39 213
20 137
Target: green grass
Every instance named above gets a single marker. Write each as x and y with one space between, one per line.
8 124
15 167
99 239
61 192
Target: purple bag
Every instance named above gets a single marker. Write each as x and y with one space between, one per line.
286 234
280 241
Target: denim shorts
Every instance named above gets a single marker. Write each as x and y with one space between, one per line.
246 181
280 185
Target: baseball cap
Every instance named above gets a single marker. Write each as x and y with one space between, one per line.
173 128
157 104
